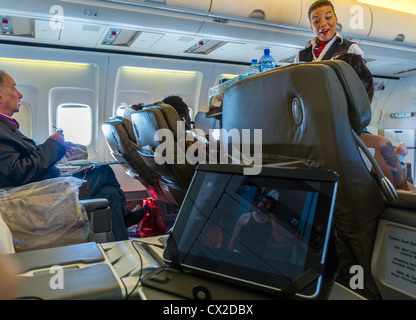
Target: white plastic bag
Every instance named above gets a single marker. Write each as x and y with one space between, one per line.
6 239
45 214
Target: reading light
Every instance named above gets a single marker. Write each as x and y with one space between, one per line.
47 62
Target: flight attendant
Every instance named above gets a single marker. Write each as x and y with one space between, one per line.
327 40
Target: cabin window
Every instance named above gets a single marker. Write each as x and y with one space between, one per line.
24 117
76 122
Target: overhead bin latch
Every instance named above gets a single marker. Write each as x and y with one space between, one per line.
257 14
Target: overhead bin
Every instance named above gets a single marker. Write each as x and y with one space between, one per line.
354 18
202 5
286 12
393 25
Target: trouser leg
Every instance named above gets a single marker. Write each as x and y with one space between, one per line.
103 184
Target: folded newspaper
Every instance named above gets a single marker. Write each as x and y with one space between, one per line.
75 166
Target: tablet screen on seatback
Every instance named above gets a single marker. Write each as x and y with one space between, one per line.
264 231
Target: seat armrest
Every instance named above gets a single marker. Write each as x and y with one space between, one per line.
94 204
84 191
99 214
406 199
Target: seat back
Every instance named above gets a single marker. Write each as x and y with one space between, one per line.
393 261
121 140
313 120
174 175
204 123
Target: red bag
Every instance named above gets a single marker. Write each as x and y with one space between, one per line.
152 223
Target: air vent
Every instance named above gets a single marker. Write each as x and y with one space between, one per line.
205 46
91 28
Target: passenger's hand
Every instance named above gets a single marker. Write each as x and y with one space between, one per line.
59 136
69 148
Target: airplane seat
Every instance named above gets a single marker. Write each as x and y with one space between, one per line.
50 213
98 213
394 257
122 143
99 219
317 121
202 122
157 126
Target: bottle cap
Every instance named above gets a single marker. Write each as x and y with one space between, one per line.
254 61
266 51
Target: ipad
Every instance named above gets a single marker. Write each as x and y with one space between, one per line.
268 231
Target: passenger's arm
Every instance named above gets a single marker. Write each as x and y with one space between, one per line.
394 167
387 159
354 48
9 282
276 237
240 223
19 166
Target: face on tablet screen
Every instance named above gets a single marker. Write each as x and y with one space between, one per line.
260 230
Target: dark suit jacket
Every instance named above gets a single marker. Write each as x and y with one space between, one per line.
22 161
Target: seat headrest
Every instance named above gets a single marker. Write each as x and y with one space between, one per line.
359 110
127 125
170 114
146 124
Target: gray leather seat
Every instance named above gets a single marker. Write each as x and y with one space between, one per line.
121 140
309 111
202 122
174 176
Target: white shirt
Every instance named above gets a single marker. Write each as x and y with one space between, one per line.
354 48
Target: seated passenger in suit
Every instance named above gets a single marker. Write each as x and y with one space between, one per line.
23 161
385 154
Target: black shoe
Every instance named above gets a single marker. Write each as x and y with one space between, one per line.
134 217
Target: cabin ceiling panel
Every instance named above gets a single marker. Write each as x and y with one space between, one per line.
81 34
172 44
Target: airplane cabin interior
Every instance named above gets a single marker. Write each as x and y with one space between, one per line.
99 70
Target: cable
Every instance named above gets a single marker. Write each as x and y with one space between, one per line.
141 270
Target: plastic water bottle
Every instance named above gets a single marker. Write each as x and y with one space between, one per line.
266 62
253 68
